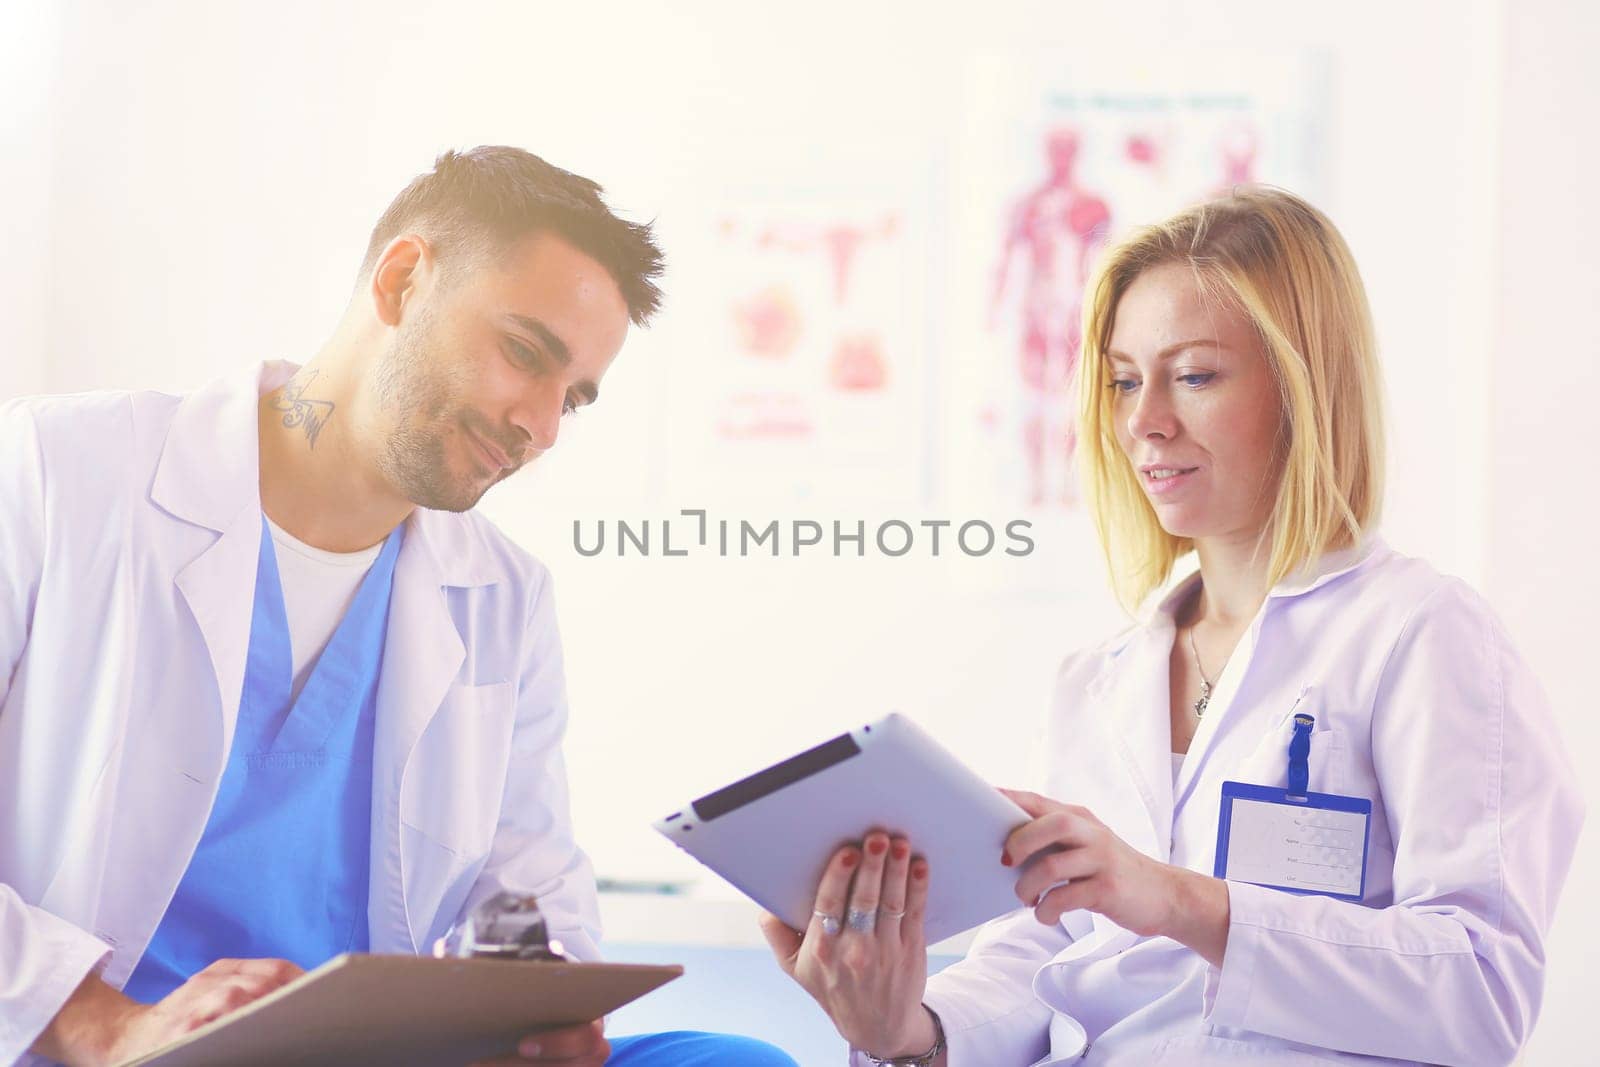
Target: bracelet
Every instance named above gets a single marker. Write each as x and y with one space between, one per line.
924 1060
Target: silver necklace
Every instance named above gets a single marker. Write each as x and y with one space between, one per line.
1205 683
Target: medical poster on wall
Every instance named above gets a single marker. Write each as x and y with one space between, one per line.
805 381
1057 156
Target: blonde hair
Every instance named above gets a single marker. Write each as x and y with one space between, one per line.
1280 261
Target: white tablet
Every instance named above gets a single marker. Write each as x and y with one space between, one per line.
771 834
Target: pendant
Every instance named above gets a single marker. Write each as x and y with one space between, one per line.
1205 699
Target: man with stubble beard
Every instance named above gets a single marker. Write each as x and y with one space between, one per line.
270 689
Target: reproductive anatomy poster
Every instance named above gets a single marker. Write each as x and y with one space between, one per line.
806 375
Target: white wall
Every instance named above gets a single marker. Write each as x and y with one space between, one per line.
29 76
209 173
1545 376
218 166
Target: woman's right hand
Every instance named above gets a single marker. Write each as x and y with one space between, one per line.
869 982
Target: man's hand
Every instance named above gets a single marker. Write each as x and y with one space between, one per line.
98 1026
568 1046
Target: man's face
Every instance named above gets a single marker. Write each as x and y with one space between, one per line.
482 368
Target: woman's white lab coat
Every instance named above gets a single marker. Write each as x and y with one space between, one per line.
1421 706
130 525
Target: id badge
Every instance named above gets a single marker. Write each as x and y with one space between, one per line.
1293 839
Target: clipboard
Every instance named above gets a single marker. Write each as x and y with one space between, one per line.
409 1011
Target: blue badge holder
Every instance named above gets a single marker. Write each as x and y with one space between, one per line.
1296 795
1232 791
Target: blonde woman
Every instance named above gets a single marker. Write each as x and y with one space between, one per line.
1229 405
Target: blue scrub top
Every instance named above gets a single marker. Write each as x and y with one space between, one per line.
281 870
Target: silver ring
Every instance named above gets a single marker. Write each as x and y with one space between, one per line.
889 914
1051 888
830 925
861 921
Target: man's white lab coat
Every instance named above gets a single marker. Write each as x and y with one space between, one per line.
130 525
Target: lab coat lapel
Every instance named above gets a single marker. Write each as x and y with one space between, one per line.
423 651
217 585
1220 716
209 476
1134 690
1133 795
422 656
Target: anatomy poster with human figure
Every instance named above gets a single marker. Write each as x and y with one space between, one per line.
809 375
1057 158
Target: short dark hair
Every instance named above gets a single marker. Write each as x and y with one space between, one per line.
482 201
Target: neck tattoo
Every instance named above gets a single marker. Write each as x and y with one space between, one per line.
300 410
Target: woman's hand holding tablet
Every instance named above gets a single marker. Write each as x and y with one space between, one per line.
864 954
772 834
851 914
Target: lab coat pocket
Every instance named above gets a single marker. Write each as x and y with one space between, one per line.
1326 762
1099 939
1268 763
1078 923
456 775
437 883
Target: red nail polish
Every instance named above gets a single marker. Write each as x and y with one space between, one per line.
849 860
920 873
876 846
1005 859
900 850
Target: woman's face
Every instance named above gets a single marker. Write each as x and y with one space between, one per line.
1196 407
